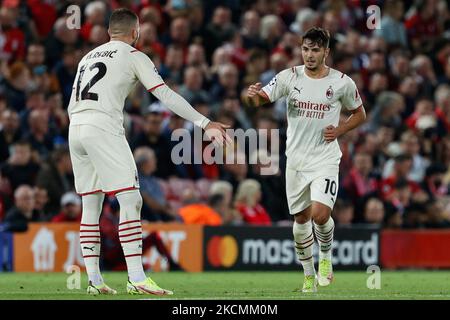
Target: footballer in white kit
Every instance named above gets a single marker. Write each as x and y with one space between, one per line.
315 95
101 157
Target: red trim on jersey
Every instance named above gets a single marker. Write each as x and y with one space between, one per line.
88 225
89 242
342 75
133 255
130 221
357 109
135 50
264 94
89 237
159 85
114 192
90 192
89 230
91 256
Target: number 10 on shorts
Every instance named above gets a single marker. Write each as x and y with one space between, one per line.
330 186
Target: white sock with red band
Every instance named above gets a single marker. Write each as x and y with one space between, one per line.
90 235
304 241
130 233
324 235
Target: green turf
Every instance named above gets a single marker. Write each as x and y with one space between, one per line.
237 285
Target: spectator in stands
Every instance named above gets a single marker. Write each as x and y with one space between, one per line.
194 211
228 213
40 202
250 30
235 172
94 13
424 73
18 217
343 213
436 217
70 208
387 111
13 38
219 30
247 202
180 33
265 169
423 116
442 110
9 132
360 181
227 84
15 84
433 183
193 85
152 137
172 68
155 206
35 55
410 146
402 167
374 211
60 40
20 167
65 71
391 28
39 136
196 58
56 177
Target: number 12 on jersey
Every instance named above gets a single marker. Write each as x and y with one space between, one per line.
85 93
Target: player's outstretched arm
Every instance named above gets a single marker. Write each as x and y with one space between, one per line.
255 96
176 103
357 117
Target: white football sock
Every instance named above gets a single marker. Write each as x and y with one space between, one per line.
90 235
304 240
324 235
130 233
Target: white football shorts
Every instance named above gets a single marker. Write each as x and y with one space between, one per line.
304 187
101 161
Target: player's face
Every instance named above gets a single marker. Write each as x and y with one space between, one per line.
313 55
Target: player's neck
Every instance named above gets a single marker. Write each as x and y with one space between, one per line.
123 39
318 73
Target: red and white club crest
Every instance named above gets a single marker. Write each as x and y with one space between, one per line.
330 92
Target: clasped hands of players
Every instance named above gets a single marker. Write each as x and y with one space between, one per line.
216 132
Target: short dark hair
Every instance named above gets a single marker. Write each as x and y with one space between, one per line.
318 36
122 20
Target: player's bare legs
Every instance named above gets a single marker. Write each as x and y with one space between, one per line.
130 235
324 229
90 242
304 240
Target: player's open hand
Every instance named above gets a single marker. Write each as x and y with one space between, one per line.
253 90
330 133
216 132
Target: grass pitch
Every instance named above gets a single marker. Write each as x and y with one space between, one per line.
236 285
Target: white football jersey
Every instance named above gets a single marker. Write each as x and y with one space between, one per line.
312 105
104 78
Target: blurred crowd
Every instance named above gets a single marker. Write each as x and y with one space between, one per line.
394 169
